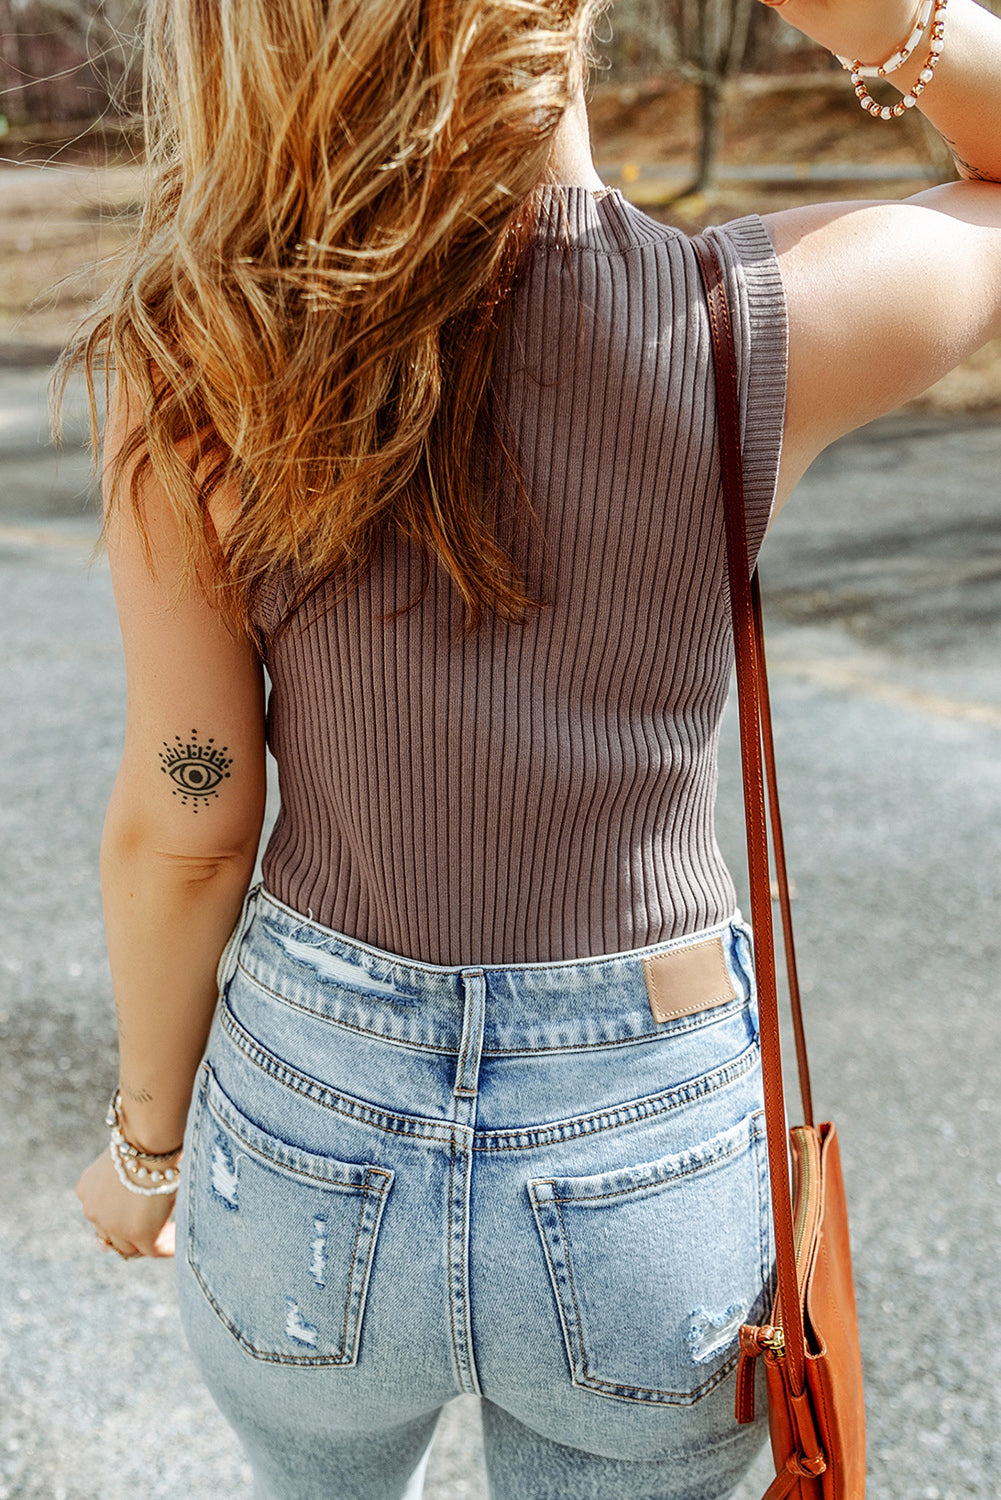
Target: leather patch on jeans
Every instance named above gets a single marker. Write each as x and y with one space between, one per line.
683 981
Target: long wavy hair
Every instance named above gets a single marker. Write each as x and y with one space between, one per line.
337 196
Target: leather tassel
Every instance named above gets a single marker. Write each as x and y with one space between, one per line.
744 1402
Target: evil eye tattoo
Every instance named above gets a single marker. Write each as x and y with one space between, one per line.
197 771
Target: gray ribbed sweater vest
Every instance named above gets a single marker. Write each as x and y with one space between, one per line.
545 790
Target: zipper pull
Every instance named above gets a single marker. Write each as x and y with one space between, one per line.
770 1341
773 1340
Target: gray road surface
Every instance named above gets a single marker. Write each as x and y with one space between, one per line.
884 583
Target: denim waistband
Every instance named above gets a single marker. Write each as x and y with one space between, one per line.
531 1007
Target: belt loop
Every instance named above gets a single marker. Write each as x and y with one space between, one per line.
467 1068
227 962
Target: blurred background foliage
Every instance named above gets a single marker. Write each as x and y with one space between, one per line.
68 60
76 60
701 110
78 63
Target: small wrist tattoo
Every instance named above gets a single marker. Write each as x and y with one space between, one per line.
137 1096
197 771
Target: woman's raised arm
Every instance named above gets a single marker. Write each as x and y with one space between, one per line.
963 99
885 297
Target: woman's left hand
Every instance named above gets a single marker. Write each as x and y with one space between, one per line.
130 1223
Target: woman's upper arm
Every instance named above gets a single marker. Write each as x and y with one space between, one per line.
192 780
883 298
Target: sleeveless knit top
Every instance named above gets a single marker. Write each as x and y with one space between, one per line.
545 790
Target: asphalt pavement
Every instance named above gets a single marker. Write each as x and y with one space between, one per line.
883 591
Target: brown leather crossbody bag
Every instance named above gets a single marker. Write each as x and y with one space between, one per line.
810 1344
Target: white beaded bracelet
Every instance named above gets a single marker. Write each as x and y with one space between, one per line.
880 70
156 1179
163 1182
936 47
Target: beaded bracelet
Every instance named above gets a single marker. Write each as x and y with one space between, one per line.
148 1180
114 1118
894 111
906 52
163 1182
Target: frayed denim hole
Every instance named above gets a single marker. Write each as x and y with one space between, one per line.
297 1328
318 1249
224 1173
340 970
710 1333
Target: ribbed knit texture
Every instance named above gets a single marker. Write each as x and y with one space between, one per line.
545 791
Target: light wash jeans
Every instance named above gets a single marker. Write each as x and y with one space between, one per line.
406 1181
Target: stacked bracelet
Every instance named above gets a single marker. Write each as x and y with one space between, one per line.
150 1173
906 52
935 48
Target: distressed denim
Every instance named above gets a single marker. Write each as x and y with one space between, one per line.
404 1182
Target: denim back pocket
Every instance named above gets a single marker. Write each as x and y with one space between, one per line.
280 1240
655 1267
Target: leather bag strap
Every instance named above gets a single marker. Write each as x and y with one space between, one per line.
755 728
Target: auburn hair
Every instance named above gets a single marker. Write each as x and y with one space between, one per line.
337 194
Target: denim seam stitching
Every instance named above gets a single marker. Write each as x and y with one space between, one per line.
696 1022
351 1269
560 1310
333 1184
451 1290
764 1216
573 1289
705 1164
643 1110
308 1088
545 1135
261 1354
380 1204
448 1255
337 1020
683 1398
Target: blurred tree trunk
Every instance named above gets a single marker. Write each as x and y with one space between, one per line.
69 59
12 101
767 33
711 42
